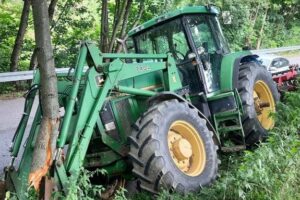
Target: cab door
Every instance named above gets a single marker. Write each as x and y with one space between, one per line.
209 45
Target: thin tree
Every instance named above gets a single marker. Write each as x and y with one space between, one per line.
119 27
51 9
46 140
14 59
123 35
104 33
118 22
261 31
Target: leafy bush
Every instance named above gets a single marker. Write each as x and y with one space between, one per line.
83 189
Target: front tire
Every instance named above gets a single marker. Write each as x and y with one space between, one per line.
172 148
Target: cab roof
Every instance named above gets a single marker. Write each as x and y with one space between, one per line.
173 14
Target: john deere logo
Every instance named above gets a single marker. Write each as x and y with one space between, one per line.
142 68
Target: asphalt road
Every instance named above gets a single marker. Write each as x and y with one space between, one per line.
295 60
10 115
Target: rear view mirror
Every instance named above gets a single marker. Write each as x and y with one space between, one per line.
191 55
227 17
129 45
200 50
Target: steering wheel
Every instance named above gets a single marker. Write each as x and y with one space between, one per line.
177 55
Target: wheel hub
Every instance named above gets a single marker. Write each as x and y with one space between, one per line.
259 104
182 149
264 104
186 148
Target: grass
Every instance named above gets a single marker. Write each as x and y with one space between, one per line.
11 90
12 95
290 53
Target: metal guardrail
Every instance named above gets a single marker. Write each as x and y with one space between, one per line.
28 75
276 50
24 75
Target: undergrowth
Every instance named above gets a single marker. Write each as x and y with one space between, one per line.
82 189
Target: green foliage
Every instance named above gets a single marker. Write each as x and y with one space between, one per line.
31 194
83 188
293 34
9 19
120 194
74 21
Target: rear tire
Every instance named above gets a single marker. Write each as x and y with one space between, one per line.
154 155
256 87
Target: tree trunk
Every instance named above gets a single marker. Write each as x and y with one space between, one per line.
51 9
33 60
14 59
116 12
117 25
124 24
104 33
46 140
261 32
136 22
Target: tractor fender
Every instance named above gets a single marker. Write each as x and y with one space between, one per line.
240 60
164 96
230 68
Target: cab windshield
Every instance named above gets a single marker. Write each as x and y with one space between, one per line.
188 37
166 38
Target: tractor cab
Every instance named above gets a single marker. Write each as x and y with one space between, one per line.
194 38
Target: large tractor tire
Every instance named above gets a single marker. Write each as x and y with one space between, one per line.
172 148
259 95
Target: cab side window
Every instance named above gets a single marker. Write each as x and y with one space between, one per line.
202 34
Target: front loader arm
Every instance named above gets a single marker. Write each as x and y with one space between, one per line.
101 79
82 99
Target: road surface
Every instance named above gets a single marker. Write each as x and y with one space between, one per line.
10 115
295 60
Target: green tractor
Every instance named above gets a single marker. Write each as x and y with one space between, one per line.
157 115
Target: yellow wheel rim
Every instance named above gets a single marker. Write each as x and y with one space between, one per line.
264 104
186 148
